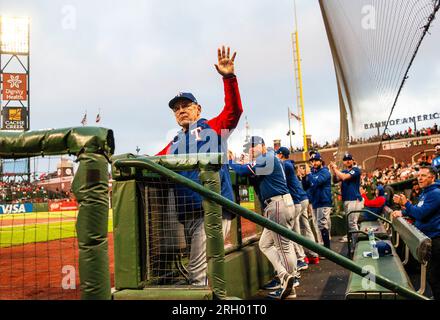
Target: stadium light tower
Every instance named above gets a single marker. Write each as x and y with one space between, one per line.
14 35
14 76
14 71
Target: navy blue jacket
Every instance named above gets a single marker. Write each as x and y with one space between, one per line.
295 187
427 211
269 175
319 184
188 143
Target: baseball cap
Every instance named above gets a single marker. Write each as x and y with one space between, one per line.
255 140
284 151
383 248
381 190
347 156
315 156
182 96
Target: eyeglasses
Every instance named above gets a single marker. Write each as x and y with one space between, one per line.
182 106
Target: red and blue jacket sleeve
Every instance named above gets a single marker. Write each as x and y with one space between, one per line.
375 203
228 119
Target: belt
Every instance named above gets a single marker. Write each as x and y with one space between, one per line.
287 197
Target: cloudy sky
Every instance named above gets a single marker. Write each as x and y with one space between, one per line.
129 58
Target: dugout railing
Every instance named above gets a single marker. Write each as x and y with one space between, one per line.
138 166
92 147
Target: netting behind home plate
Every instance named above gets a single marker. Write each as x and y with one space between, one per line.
38 244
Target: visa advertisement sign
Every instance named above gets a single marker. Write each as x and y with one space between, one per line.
16 208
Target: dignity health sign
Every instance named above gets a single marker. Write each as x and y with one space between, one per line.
16 208
14 86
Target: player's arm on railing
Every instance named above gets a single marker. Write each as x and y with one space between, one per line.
242 169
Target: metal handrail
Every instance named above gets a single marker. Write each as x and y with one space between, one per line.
344 262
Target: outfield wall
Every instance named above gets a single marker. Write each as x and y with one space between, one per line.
30 207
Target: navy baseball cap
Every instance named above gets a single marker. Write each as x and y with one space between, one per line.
383 248
255 140
182 96
381 190
347 156
284 151
315 156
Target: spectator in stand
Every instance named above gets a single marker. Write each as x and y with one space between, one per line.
375 205
415 192
427 219
436 161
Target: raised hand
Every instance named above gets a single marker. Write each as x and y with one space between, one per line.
225 65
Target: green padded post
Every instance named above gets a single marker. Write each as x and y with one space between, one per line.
126 235
215 252
90 187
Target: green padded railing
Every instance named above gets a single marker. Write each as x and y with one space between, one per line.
14 145
418 243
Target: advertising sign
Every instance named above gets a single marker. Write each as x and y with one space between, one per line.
16 208
14 86
67 205
14 118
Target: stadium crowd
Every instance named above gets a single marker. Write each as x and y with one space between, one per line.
23 191
408 133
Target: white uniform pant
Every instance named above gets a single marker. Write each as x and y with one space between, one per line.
279 250
196 237
302 226
354 217
322 216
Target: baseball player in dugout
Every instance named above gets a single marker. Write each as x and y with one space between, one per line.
199 134
427 219
350 179
318 182
301 223
277 203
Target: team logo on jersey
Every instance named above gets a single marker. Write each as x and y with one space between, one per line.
196 132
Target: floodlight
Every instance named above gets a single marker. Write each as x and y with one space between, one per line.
14 35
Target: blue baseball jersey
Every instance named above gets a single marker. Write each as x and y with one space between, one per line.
295 187
199 138
350 187
269 175
318 182
426 212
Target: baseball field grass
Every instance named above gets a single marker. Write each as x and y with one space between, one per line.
20 229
